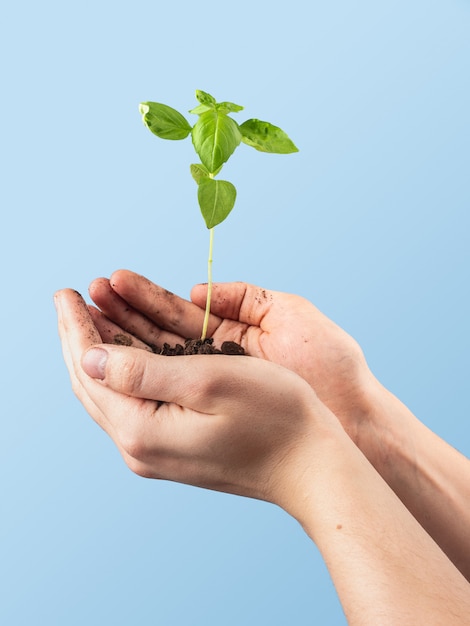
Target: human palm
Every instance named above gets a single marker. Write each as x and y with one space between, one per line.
282 328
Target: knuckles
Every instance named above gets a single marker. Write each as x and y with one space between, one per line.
138 467
134 446
128 376
142 458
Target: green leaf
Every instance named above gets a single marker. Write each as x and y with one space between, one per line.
229 107
215 137
265 137
199 171
216 200
200 109
205 98
163 121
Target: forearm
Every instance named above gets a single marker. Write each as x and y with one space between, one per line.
430 477
385 567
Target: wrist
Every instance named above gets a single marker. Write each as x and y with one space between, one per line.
385 431
304 470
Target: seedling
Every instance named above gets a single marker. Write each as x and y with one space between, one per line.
215 137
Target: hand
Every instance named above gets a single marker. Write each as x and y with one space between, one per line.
250 427
229 423
278 327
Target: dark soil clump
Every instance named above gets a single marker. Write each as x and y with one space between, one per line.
122 340
199 346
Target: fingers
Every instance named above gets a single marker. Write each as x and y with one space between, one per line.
147 311
77 333
156 316
236 301
128 421
112 333
128 318
76 329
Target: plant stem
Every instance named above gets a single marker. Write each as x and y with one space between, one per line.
209 285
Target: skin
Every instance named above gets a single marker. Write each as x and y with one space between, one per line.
251 427
430 477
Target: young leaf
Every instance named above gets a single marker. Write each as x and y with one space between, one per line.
216 200
265 137
200 109
163 121
205 98
229 107
199 171
215 137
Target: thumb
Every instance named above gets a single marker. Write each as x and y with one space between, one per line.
236 301
141 374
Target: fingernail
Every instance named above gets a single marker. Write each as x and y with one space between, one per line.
94 363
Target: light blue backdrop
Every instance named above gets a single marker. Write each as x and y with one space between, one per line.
369 221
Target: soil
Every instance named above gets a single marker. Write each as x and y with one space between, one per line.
199 346
191 346
122 340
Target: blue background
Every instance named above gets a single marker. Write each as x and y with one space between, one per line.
369 221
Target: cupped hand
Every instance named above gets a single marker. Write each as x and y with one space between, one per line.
278 327
230 423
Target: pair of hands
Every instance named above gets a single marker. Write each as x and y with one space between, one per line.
235 424
273 428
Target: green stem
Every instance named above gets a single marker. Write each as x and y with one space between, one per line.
209 286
